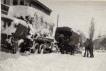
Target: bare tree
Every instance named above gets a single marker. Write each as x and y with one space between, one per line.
92 29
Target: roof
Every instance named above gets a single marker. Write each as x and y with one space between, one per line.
42 5
64 30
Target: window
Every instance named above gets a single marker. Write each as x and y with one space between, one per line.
15 2
4 1
22 2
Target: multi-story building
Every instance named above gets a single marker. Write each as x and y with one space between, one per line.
12 8
32 3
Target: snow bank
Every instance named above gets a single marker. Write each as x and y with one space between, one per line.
55 62
30 63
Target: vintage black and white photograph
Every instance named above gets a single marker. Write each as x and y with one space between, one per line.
53 35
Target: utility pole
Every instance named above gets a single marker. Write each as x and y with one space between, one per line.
56 26
57 19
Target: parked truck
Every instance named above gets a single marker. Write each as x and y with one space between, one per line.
17 34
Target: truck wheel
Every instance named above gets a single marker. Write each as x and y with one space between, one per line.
14 50
62 51
40 50
32 50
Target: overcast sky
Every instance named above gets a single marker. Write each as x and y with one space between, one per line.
78 15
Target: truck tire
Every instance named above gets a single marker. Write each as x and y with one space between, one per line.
15 50
32 50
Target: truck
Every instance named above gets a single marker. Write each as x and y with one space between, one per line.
16 34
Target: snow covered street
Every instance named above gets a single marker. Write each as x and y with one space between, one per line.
54 62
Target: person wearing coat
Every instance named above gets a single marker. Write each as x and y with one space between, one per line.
91 48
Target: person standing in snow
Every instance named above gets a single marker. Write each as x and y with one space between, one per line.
91 48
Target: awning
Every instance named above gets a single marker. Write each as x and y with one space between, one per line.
15 20
6 17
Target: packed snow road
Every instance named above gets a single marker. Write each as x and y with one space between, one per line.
55 62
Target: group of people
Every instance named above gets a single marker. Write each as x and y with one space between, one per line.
88 48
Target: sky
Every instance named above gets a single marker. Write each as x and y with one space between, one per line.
78 15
